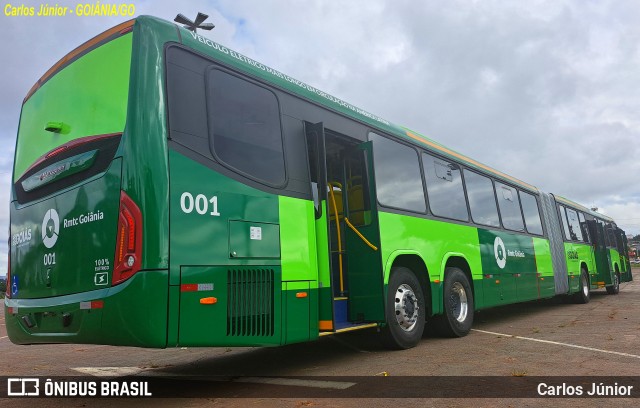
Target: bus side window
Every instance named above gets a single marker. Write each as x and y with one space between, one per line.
444 188
482 200
583 227
574 225
245 132
610 235
398 179
509 207
565 224
531 213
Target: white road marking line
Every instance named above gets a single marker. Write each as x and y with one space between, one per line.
295 382
557 343
108 371
336 385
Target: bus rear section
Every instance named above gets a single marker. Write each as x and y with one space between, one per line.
76 234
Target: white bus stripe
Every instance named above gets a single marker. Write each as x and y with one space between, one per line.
557 343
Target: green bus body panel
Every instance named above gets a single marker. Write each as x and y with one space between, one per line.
577 256
144 144
509 260
72 96
300 263
203 239
433 240
254 319
87 215
126 319
544 265
223 243
297 312
298 231
527 273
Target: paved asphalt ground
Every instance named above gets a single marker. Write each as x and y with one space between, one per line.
550 340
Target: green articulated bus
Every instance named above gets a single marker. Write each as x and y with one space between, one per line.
168 191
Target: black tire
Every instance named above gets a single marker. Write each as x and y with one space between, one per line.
405 311
457 318
584 290
615 288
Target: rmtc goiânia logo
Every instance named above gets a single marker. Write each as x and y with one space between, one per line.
506 253
50 228
500 252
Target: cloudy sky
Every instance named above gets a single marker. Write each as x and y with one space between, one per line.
546 91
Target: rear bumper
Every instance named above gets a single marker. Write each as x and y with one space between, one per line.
133 313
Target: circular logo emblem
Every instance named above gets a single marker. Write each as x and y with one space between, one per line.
500 252
50 228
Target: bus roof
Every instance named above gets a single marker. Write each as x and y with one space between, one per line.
583 208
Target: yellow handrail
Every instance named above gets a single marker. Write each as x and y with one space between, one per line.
335 211
375 248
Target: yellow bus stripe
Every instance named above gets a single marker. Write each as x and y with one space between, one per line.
468 160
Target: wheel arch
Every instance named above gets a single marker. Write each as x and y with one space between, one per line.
414 262
459 261
583 265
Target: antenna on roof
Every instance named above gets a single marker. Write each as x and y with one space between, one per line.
194 25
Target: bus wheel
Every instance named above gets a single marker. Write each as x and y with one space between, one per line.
584 293
615 288
457 318
404 312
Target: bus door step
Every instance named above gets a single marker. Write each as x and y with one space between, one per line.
341 313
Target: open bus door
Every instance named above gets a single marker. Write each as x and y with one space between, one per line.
600 252
364 262
625 264
347 230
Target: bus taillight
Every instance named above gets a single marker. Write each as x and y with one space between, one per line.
128 254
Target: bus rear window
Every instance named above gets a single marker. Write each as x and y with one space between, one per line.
244 127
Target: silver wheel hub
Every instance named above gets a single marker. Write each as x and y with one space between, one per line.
585 285
458 302
406 307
